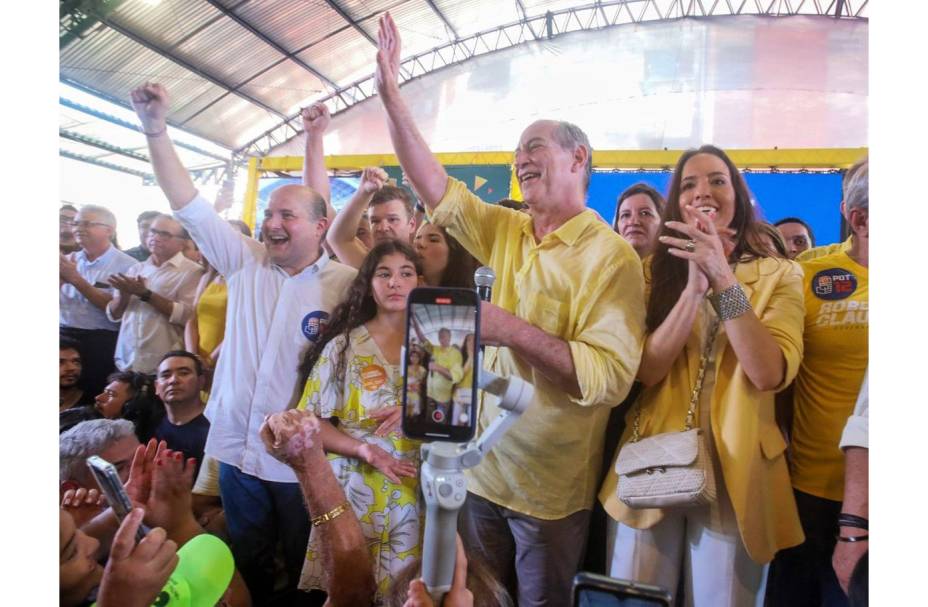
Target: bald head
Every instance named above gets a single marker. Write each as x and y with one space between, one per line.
304 196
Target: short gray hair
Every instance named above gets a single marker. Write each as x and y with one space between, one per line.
106 214
857 193
87 438
569 136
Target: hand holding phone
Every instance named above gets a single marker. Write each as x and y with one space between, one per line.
110 484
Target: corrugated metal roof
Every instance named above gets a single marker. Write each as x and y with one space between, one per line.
341 55
236 118
420 27
472 16
293 24
361 9
284 86
167 22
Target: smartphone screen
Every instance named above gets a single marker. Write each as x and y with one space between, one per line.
441 366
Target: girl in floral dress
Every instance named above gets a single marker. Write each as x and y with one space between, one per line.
353 375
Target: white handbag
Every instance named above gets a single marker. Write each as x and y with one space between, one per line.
670 470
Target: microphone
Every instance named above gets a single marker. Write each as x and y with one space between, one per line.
484 278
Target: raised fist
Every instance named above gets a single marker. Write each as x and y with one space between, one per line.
372 179
316 119
150 102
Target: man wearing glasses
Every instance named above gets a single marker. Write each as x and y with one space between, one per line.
154 299
85 291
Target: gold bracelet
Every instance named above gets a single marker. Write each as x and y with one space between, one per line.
331 514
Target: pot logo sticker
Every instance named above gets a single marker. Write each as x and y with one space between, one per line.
834 284
313 323
373 377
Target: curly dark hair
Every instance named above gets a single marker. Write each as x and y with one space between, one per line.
144 409
356 308
668 273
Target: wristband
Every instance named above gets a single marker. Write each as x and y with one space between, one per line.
331 514
146 295
852 520
852 538
730 303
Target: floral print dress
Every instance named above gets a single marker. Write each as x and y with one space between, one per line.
388 512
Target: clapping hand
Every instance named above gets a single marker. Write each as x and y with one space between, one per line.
129 285
67 270
707 246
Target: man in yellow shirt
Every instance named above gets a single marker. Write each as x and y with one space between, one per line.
567 316
837 247
824 394
445 370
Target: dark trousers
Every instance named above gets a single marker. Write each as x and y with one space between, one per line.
803 576
258 514
98 347
535 559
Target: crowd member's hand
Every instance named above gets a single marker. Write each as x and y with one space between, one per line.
150 102
388 57
67 270
388 465
83 504
138 485
316 118
845 558
372 179
457 596
169 504
703 244
135 574
389 418
129 285
292 437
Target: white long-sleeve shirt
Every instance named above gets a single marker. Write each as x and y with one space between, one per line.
271 318
145 334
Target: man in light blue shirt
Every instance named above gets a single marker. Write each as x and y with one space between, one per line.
85 291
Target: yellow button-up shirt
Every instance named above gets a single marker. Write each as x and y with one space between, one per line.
582 283
439 386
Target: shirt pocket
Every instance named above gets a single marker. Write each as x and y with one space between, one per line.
547 314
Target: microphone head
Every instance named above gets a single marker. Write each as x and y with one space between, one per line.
484 276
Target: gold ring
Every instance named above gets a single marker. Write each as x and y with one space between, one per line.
690 245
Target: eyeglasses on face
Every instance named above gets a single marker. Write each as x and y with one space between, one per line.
87 224
162 234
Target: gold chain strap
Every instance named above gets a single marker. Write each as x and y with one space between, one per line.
697 388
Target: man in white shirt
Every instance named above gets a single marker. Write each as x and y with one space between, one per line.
85 291
154 299
280 294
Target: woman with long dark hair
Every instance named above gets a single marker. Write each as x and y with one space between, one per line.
353 374
724 322
445 263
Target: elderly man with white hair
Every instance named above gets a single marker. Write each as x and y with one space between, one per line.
85 291
112 439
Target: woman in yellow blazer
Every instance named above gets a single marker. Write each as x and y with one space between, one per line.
755 312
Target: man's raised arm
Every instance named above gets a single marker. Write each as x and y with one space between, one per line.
315 122
150 102
423 170
342 231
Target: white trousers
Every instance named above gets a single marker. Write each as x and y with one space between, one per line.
718 570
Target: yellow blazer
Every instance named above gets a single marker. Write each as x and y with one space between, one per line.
748 442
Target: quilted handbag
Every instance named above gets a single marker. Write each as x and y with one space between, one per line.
670 470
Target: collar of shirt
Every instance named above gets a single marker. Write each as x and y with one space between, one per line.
310 270
176 261
81 255
569 231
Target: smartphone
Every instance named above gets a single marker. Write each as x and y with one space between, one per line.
592 590
441 364
110 484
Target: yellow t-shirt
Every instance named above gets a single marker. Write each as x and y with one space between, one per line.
825 249
449 357
582 283
836 337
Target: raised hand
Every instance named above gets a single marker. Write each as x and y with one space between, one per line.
706 246
390 466
138 485
135 574
292 437
372 179
150 102
129 285
388 57
389 418
169 503
316 119
83 504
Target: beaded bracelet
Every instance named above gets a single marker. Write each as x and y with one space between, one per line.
730 303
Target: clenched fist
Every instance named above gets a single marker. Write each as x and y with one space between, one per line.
150 102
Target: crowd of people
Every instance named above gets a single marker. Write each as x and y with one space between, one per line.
252 388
